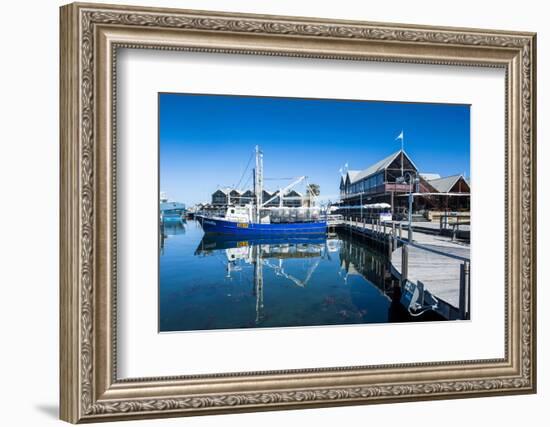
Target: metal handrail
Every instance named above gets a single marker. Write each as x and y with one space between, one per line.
406 242
435 251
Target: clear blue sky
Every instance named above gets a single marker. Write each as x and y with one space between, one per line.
206 140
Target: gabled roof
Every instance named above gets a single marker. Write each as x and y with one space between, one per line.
351 174
445 184
430 176
223 190
379 166
227 190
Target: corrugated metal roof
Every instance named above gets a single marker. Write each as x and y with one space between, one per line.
444 185
352 174
430 176
379 166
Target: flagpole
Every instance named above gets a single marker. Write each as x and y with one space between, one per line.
402 138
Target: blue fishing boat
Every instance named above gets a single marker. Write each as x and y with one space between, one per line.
223 226
257 219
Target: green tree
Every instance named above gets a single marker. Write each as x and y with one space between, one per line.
313 190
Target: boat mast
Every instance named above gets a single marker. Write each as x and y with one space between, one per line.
258 281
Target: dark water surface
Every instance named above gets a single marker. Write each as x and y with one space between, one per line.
223 283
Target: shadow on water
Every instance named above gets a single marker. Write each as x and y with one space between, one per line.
222 282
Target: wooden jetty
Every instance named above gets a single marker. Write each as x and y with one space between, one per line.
434 269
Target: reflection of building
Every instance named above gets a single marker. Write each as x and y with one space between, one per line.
388 181
170 228
223 197
269 253
357 258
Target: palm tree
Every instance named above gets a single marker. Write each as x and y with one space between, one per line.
312 191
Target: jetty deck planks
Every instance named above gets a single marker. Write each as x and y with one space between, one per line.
439 274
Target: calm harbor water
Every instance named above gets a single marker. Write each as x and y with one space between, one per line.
213 282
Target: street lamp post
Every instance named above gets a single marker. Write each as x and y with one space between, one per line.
412 180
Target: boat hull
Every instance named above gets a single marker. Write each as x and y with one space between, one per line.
221 226
172 218
211 241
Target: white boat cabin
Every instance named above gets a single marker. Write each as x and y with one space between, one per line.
246 214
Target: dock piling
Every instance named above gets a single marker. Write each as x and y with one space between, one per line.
393 241
464 300
404 263
420 286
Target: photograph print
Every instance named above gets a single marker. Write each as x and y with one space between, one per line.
291 212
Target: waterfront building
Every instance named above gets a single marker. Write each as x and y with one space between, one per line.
294 199
247 197
266 195
220 197
223 197
390 181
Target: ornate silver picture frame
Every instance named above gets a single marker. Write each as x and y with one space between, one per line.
91 35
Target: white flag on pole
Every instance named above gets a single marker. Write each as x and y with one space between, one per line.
400 136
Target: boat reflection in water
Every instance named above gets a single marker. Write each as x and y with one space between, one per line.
170 228
266 253
222 282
